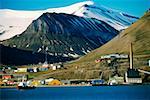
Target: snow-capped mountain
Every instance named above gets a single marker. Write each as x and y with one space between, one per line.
13 22
63 34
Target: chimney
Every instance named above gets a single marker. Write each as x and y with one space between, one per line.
131 56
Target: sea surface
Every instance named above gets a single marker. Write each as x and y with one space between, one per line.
138 92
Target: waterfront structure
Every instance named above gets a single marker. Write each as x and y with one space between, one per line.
97 82
132 75
36 83
55 82
116 80
47 81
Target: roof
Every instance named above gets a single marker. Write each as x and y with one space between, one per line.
133 73
97 81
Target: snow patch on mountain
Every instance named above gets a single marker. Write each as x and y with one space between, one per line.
14 22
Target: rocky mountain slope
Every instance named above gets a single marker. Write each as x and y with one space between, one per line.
63 34
14 56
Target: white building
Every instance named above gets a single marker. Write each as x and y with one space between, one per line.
114 56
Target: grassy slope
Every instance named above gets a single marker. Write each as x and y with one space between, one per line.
138 34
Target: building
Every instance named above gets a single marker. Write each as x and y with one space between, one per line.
20 77
45 65
35 69
43 69
116 80
56 66
123 56
36 83
132 76
97 82
47 81
21 69
30 70
7 77
55 82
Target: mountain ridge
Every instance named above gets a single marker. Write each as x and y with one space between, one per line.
15 22
63 34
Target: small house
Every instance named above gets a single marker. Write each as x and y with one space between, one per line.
43 69
21 69
36 83
7 77
10 83
35 69
47 81
45 65
54 67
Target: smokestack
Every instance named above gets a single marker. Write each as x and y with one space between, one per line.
131 56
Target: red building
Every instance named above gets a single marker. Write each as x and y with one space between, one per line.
7 77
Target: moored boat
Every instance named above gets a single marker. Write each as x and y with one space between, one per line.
24 85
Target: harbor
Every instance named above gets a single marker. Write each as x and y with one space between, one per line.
23 81
134 92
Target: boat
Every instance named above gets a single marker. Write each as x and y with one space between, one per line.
27 87
23 85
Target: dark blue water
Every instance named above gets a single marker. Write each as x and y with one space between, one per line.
79 93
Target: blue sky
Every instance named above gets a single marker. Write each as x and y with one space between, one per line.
134 7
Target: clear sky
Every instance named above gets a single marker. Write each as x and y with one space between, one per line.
134 7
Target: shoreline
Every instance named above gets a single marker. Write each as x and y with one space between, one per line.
44 86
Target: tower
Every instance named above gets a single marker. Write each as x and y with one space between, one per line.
131 56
